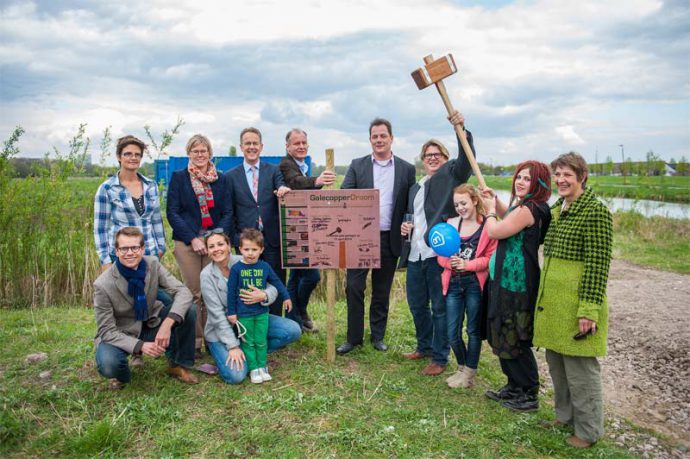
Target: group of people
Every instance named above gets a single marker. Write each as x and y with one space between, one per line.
493 286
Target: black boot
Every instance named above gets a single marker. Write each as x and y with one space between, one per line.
526 401
506 392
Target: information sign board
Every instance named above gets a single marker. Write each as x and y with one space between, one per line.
330 229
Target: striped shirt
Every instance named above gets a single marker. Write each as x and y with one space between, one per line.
114 209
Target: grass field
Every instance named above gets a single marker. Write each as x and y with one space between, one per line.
668 189
657 242
368 404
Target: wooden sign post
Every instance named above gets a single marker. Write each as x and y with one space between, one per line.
433 73
330 281
330 229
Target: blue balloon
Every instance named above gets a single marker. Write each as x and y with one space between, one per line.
444 239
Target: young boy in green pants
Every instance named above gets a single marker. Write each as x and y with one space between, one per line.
253 317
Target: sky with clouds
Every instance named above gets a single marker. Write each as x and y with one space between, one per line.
535 78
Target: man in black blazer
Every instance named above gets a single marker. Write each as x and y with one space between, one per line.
255 185
393 177
295 171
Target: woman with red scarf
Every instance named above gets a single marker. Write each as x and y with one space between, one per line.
199 203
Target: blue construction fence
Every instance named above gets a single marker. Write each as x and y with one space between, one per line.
164 168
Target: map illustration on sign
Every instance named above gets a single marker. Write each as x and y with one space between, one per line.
330 229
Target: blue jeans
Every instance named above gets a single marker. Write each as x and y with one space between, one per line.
112 361
220 354
424 286
464 297
164 297
300 285
281 332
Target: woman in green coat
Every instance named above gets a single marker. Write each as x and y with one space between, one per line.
571 320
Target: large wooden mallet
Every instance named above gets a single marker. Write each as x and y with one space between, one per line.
433 73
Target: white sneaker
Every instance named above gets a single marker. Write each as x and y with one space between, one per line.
264 374
455 376
255 376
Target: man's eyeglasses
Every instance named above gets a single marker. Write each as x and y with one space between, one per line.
129 154
433 156
213 231
134 249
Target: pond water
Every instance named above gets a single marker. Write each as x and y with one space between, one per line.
643 206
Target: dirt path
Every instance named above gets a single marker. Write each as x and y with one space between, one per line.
647 372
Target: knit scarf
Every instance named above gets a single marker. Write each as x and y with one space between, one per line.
135 287
202 188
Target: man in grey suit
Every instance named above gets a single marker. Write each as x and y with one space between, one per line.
393 177
130 320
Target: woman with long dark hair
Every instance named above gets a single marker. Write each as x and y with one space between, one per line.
514 273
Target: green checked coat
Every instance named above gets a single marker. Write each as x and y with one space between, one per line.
577 256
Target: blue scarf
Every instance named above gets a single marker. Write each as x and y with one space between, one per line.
135 287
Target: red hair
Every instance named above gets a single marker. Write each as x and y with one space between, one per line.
540 181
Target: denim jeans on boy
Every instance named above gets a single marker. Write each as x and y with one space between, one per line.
464 297
423 287
112 361
281 332
300 285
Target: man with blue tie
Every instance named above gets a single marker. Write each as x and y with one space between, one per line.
296 173
255 185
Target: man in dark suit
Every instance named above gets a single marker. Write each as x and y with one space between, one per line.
255 185
393 177
296 173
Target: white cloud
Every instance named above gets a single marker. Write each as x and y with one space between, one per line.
569 135
535 78
183 71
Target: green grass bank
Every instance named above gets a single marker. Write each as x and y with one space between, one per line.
656 188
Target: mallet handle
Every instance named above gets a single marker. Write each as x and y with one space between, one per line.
458 130
461 135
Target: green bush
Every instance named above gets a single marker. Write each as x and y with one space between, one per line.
46 254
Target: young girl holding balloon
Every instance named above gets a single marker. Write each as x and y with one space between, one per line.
464 275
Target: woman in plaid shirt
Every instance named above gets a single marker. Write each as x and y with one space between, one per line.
127 199
571 320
